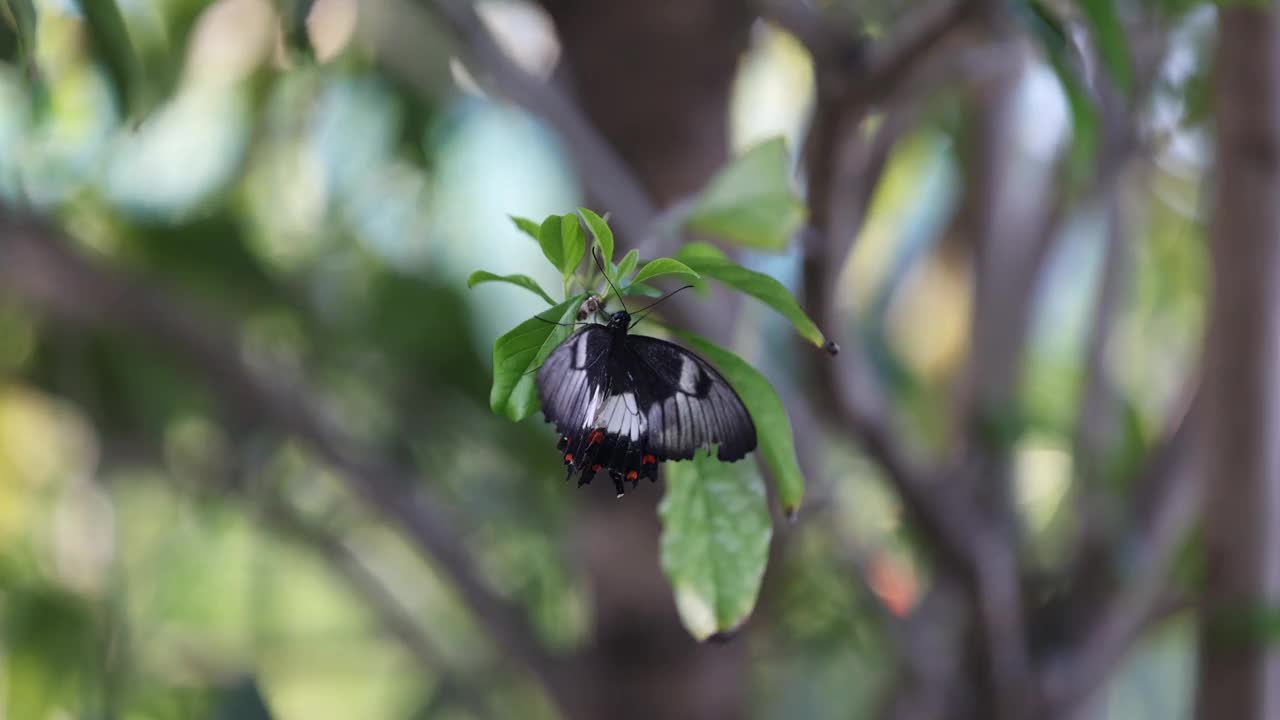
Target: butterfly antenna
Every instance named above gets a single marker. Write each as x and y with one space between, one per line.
596 254
653 304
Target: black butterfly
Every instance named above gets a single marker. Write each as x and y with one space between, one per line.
623 403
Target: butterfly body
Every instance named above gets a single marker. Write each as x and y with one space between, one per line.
624 403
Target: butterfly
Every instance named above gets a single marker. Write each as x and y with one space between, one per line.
624 403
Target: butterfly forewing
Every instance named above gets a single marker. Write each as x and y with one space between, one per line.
622 403
694 407
574 374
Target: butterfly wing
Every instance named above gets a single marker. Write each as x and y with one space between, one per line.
623 407
689 405
589 396
574 373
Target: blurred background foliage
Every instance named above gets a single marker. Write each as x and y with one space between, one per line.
160 558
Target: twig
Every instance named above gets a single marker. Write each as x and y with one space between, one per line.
1172 488
946 517
36 264
630 207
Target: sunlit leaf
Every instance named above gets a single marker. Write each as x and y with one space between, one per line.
715 542
773 427
664 266
527 226
628 264
603 234
524 281
709 261
751 202
521 351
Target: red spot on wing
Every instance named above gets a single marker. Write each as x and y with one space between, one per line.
595 468
595 437
568 457
648 460
633 475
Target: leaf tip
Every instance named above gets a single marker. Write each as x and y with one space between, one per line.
723 637
790 512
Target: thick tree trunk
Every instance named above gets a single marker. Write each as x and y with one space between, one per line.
655 77
1239 673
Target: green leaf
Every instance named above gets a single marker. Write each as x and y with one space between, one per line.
293 20
521 351
627 265
709 261
604 235
110 36
773 427
1053 36
574 243
524 281
642 289
715 542
1113 44
750 202
551 240
664 266
527 226
562 242
20 16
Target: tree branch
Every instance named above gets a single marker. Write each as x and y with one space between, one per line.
37 265
631 210
1171 487
1239 672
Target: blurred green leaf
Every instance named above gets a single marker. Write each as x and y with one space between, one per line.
664 266
773 427
521 351
293 16
1052 34
627 265
750 202
524 281
110 37
1112 43
715 542
573 243
527 226
242 701
603 234
708 260
20 17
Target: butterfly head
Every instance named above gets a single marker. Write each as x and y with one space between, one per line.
620 320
